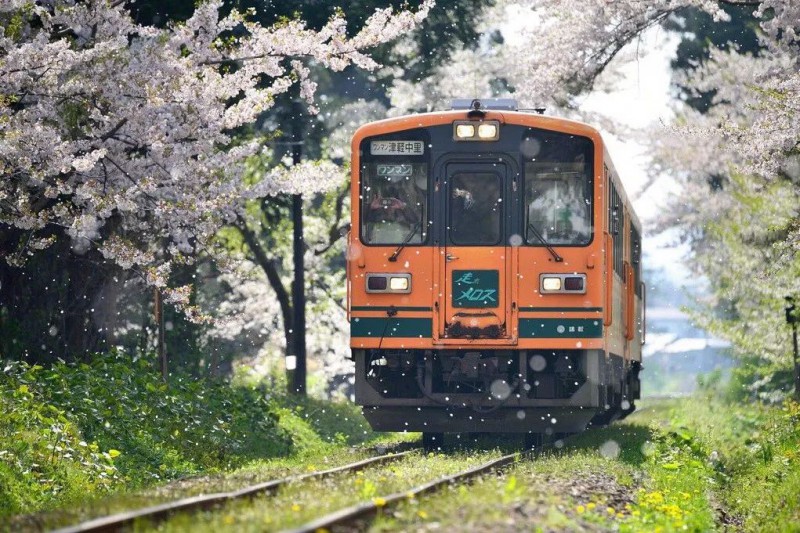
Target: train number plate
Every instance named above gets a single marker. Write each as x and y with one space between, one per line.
397 148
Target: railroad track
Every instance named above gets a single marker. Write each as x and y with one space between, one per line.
119 521
350 517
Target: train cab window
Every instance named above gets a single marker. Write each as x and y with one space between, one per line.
394 202
558 188
475 208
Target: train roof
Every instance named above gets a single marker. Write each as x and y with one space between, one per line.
523 117
506 111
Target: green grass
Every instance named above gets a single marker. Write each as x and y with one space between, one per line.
547 491
751 453
630 477
250 474
692 464
73 433
83 440
299 503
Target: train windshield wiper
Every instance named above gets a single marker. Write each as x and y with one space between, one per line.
411 234
556 257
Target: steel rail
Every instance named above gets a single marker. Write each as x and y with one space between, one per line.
368 508
118 521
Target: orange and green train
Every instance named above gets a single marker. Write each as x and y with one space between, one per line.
494 274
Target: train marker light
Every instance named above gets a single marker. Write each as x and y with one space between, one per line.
465 131
376 283
573 283
551 284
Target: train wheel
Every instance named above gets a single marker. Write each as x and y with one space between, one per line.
432 441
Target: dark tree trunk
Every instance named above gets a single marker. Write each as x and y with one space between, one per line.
273 277
52 307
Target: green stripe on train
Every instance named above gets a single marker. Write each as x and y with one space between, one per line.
391 327
558 328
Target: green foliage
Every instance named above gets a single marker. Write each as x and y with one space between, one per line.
749 452
751 268
674 498
80 429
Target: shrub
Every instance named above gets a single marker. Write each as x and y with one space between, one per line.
78 429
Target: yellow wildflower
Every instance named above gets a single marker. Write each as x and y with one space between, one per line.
590 505
422 514
295 507
379 502
610 510
653 498
580 509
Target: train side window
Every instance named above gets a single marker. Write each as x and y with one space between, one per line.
616 221
614 213
636 260
394 202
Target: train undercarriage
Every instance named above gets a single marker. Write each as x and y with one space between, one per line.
537 392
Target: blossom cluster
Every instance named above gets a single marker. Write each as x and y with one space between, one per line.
120 135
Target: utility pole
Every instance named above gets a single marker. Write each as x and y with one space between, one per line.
162 352
297 383
792 319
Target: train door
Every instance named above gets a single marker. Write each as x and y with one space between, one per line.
475 262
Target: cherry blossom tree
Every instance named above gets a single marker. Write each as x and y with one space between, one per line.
121 136
122 144
744 229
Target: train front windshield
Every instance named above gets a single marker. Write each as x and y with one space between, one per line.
555 199
394 202
558 188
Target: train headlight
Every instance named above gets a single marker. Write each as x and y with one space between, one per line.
487 131
562 283
470 130
399 283
465 131
551 284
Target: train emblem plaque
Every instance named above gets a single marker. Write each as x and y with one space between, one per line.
475 288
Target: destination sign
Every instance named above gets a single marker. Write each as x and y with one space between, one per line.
397 148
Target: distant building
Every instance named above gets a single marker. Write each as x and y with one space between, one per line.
676 352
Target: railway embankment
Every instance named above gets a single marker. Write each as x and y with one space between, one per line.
92 440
